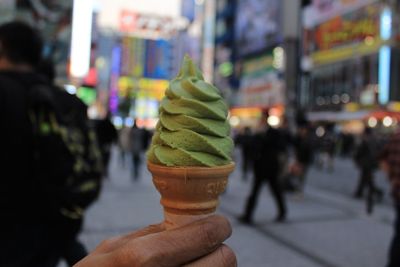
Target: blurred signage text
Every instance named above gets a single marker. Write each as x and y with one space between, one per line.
323 10
149 25
355 33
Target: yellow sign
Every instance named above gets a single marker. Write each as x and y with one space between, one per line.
348 31
246 112
394 106
352 34
152 88
142 88
255 65
352 107
328 56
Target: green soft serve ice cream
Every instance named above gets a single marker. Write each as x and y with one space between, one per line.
193 129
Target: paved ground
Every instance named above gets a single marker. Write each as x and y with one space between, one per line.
343 178
326 227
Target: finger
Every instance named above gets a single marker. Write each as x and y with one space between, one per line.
116 242
151 229
106 245
178 246
222 257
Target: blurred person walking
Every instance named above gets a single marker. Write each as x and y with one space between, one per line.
138 143
106 136
366 159
267 148
303 153
287 142
124 144
347 144
38 156
390 159
328 148
244 141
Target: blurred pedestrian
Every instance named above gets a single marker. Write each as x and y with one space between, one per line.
390 159
328 148
347 144
287 142
24 235
243 140
303 151
38 155
267 147
71 249
366 159
124 144
106 136
138 143
189 245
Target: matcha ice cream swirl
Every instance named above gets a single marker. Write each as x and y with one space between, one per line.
193 129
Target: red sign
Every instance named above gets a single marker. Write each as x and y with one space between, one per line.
127 21
340 31
351 28
131 21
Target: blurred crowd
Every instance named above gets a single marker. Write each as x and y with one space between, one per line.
291 153
281 159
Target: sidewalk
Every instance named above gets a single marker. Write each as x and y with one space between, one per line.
323 229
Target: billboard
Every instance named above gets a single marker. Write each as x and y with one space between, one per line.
260 83
257 25
158 59
149 25
115 72
133 56
355 27
323 10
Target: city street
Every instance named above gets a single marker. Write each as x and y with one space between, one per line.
325 227
310 78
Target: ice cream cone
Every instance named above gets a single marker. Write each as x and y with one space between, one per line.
189 193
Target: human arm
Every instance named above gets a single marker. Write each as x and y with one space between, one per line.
196 244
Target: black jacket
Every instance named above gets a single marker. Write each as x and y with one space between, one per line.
19 195
267 147
303 150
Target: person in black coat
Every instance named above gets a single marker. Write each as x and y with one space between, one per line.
28 221
106 136
303 151
267 148
243 140
366 159
66 229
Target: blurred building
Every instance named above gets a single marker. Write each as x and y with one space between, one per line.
252 41
52 19
225 76
350 58
118 55
147 43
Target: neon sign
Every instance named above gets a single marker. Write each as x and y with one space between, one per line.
331 34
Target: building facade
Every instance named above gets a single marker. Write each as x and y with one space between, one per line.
349 58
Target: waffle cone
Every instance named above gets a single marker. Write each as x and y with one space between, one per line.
189 193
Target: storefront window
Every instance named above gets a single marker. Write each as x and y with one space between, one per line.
335 85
